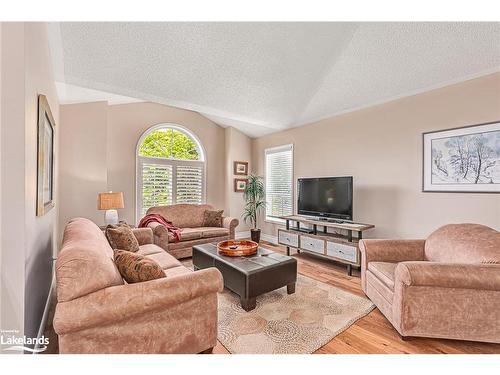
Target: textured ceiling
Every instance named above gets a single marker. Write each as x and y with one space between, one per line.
71 94
265 77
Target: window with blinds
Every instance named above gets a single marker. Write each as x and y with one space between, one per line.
170 169
279 181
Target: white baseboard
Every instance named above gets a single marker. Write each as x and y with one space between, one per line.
240 235
45 315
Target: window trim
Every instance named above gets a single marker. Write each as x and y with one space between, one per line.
273 150
139 160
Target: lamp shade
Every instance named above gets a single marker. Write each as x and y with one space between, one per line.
110 201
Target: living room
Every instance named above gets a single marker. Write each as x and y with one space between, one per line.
250 187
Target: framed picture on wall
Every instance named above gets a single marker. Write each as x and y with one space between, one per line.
45 155
465 160
241 168
240 184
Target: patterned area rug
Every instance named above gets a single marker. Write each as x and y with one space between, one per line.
299 323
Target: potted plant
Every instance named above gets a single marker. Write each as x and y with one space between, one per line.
255 202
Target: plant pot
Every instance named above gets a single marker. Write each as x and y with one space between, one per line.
255 235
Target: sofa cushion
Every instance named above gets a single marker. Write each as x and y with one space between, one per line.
380 295
212 218
136 268
164 259
463 243
122 237
384 271
188 234
209 232
199 241
149 249
85 263
182 215
380 287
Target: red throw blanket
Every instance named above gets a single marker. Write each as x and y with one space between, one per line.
157 218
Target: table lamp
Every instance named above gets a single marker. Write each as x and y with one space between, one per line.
110 202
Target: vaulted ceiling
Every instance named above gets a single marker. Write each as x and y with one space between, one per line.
265 77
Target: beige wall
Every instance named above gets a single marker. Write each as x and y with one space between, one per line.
238 148
381 147
27 240
41 231
1 45
82 167
126 124
13 181
104 145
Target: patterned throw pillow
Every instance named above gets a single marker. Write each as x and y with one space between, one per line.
135 268
122 237
212 218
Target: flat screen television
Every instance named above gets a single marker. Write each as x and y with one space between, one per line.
327 197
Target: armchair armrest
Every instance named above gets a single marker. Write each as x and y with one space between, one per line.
391 250
116 303
230 223
449 275
144 235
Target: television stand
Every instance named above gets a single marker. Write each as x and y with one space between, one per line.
338 221
340 247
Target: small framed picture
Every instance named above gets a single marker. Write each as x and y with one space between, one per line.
465 160
240 184
241 168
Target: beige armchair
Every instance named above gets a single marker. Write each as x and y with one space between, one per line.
447 286
189 217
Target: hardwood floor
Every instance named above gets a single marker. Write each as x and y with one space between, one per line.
371 334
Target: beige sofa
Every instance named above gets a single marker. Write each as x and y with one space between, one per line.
97 312
189 217
446 286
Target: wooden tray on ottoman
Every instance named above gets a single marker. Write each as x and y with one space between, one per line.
235 248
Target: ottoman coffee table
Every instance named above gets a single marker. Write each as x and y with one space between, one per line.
249 276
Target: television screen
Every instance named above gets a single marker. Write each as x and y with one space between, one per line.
329 197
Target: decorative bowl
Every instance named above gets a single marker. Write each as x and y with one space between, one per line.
237 248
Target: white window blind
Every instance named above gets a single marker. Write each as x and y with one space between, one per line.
156 185
169 181
189 185
279 181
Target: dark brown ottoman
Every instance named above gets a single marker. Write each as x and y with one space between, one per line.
251 276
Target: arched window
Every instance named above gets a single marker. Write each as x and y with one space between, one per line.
170 168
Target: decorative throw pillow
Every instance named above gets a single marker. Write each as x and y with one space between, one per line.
122 237
136 268
212 218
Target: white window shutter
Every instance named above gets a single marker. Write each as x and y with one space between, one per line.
156 185
279 181
189 184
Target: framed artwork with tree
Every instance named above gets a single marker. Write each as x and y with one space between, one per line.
465 160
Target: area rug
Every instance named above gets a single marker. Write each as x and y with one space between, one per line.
299 323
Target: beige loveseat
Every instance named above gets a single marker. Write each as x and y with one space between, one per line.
189 217
446 286
97 312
